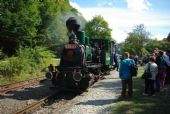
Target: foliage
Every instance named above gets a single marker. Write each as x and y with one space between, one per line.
27 61
31 23
168 37
162 45
19 19
144 51
2 55
136 40
52 29
98 28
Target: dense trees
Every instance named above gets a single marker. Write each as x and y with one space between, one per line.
139 42
98 28
18 22
168 37
162 44
31 23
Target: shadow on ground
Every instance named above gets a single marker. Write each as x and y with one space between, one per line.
97 102
35 92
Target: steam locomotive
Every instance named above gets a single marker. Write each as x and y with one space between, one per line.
83 60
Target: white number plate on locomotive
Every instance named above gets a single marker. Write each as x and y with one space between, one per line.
70 46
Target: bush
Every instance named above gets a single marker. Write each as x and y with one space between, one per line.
27 62
2 55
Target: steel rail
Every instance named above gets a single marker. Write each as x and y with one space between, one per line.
32 107
18 85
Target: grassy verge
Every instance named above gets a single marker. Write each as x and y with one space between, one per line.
28 63
139 104
8 80
4 81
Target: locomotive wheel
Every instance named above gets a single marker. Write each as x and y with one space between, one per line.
84 84
96 78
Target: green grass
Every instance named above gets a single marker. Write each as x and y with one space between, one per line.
139 104
5 80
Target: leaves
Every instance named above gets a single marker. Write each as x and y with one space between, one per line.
34 22
136 40
98 28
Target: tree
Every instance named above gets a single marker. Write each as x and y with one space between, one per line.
136 40
18 22
98 28
168 37
54 14
31 23
162 45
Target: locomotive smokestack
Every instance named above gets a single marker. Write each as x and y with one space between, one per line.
72 25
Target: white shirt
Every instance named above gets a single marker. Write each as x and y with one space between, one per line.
153 69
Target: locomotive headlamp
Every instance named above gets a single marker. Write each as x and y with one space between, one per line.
49 75
77 76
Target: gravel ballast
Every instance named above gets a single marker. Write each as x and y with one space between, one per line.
98 100
16 100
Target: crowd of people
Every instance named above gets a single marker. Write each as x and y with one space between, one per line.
157 63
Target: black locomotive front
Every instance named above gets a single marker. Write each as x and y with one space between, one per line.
72 72
72 69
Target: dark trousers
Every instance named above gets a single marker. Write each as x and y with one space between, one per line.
167 80
127 83
157 81
149 86
116 66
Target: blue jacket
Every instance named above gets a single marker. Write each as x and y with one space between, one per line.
125 66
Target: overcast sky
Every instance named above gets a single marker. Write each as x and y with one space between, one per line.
122 15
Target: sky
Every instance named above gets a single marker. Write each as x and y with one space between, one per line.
123 15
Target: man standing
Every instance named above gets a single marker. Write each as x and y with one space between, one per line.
116 61
167 60
125 75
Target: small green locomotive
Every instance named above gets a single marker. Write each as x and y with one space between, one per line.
83 60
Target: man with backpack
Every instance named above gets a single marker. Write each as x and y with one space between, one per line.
125 75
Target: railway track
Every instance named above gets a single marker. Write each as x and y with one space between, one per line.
31 108
60 97
18 85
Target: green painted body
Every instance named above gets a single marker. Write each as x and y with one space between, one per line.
87 40
82 37
88 54
108 53
105 51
